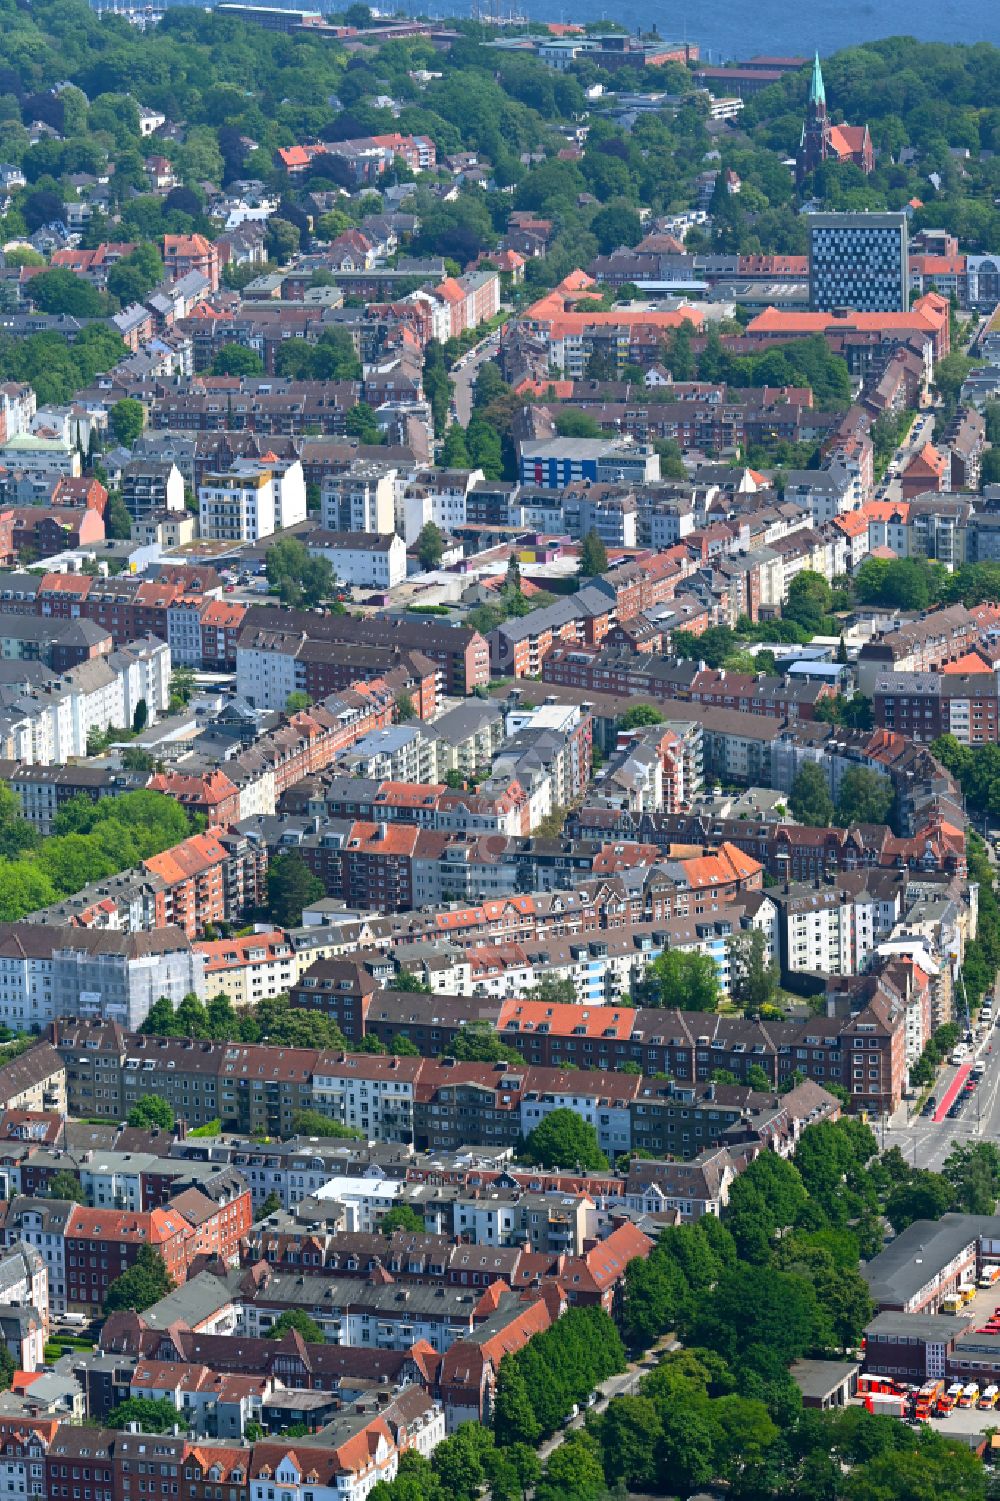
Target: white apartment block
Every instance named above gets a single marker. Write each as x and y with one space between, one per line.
357 1094
265 677
237 507
288 487
364 560
363 1200
362 500
611 1122
293 1481
50 726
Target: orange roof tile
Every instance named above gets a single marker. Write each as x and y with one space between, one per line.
189 858
971 662
564 1018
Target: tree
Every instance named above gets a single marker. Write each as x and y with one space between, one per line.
937 1469
680 978
271 1205
565 1139
145 1283
631 1434
127 418
299 1320
687 1448
291 885
865 797
927 1196
136 274
572 423
406 709
407 980
61 291
639 716
183 686
756 1314
810 800
17 835
617 225
141 717
66 1185
479 1043
573 1472
401 1217
753 982
315 1123
283 240
454 454
298 577
809 600
153 1414
235 359
593 556
150 1112
973 1170
360 423
514 1418
430 546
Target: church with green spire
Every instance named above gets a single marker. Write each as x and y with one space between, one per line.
821 141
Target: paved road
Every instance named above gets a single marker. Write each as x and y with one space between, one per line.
464 376
615 1386
926 1143
919 434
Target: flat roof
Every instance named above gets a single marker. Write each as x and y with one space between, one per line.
821 1378
927 1326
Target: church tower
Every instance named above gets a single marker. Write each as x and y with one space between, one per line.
814 146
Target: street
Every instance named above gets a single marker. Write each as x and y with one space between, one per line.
464 375
919 434
615 1386
926 1143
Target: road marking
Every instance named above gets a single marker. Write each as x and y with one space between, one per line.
951 1093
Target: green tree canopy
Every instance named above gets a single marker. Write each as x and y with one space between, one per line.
810 800
291 886
680 978
865 797
143 1284
299 1320
565 1139
152 1111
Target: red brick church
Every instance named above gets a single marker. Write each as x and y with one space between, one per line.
821 141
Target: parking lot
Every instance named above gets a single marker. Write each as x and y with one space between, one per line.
960 1421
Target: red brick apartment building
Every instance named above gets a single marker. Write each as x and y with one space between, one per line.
100 1244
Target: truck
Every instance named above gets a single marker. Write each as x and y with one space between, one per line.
988 1400
953 1303
926 1402
970 1395
988 1276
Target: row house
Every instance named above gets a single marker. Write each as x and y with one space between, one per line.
461 654
923 705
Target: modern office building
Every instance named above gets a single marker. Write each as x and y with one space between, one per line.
858 261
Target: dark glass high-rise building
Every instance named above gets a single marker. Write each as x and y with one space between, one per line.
858 261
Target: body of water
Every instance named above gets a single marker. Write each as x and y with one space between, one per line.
726 29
